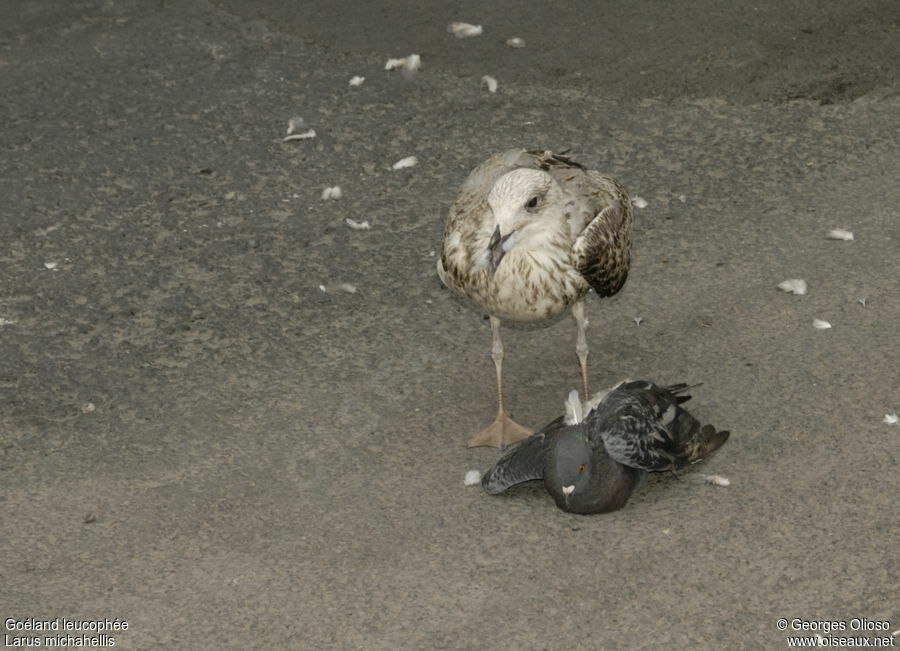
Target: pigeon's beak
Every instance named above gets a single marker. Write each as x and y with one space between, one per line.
495 246
567 491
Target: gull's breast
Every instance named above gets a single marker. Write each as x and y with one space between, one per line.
531 285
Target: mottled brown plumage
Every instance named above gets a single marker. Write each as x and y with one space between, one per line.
528 235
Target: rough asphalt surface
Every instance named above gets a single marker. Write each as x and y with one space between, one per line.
197 439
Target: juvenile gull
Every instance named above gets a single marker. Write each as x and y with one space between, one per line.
528 235
592 458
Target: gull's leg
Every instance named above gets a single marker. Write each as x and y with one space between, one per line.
504 430
581 346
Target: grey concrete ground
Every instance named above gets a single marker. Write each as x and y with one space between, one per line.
198 440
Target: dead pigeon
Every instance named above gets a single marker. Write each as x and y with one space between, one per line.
592 457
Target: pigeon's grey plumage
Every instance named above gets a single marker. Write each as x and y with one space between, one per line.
529 234
592 463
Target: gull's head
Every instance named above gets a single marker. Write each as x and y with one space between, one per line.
517 200
520 197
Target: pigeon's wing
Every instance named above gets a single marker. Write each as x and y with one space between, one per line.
602 249
524 462
636 425
644 426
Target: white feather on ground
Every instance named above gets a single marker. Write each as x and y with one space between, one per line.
516 42
306 135
891 419
864 301
637 320
490 82
295 125
464 30
332 192
297 130
407 65
473 477
50 265
793 286
357 80
358 226
716 480
409 161
839 234
639 202
347 288
820 324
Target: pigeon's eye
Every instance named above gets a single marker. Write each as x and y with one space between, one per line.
581 468
532 203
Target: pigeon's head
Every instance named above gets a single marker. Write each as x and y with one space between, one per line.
569 468
525 204
584 480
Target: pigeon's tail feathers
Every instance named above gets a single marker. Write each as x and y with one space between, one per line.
706 443
678 390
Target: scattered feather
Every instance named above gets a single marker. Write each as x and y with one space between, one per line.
473 477
574 409
516 42
332 192
819 324
637 320
464 30
891 419
4 321
864 301
431 254
682 198
409 161
490 82
639 202
322 289
295 125
358 226
357 81
347 287
716 480
306 135
793 286
50 265
88 408
839 234
407 65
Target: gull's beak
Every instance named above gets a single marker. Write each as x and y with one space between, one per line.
495 246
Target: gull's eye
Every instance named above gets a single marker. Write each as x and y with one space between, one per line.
581 468
532 203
